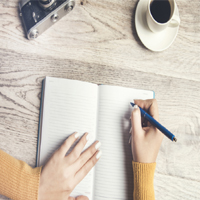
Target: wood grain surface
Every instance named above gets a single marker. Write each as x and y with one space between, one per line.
97 42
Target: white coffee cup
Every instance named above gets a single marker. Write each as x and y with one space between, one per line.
155 26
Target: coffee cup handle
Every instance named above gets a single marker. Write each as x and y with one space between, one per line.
175 21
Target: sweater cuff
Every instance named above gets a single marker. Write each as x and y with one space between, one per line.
143 174
18 180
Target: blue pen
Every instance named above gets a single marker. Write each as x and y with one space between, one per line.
156 124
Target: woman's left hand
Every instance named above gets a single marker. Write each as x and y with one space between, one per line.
62 173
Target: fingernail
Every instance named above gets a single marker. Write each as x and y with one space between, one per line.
98 154
130 131
88 136
97 145
76 135
135 107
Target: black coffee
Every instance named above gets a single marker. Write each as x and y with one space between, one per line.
160 10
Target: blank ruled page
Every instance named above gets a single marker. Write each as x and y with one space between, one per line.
69 106
113 173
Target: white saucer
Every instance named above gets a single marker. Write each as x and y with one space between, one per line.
153 41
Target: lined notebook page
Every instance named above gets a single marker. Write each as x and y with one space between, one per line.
113 173
69 106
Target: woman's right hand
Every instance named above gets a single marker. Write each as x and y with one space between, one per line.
146 139
62 173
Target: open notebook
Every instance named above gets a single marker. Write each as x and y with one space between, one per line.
103 111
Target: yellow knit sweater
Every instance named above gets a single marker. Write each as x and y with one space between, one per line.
19 181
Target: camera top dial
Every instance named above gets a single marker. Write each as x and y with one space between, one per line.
47 4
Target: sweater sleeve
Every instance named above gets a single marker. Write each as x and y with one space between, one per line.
18 180
143 175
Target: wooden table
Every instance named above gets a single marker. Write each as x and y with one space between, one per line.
97 42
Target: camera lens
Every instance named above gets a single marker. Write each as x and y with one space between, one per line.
47 4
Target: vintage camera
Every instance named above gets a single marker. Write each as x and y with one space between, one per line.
39 15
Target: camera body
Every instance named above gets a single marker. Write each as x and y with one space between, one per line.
39 15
